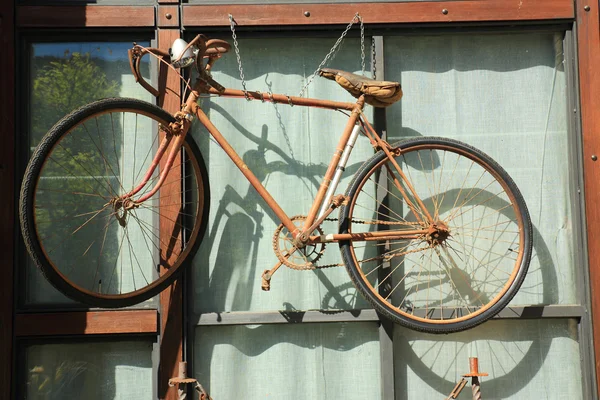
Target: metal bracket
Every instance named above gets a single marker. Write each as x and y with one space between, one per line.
181 380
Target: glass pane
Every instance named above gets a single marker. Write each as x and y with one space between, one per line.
93 371
506 95
289 149
528 359
314 361
65 76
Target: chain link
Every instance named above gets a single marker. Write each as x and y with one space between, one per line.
237 54
362 44
373 59
313 266
356 18
377 222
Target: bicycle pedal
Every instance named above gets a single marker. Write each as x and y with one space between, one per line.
266 281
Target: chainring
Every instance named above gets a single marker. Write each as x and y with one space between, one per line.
300 259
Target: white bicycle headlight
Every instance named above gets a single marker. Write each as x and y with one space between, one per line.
177 50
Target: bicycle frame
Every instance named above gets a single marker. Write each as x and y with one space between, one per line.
322 205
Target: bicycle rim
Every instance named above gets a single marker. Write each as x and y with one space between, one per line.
476 255
90 249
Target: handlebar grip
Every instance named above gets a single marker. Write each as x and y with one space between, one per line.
216 46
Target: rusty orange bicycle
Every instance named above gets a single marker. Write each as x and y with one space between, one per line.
113 205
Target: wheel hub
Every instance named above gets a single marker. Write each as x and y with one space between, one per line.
437 233
121 208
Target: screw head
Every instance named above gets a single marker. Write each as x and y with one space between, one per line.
307 13
594 157
587 8
168 16
445 11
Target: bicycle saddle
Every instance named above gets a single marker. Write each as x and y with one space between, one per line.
377 93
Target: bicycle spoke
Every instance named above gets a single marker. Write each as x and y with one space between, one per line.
100 242
469 251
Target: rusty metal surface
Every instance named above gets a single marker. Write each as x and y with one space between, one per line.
474 368
474 374
476 388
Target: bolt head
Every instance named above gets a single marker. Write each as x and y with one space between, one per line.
307 13
594 157
168 16
445 11
587 8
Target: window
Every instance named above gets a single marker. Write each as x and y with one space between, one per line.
505 93
516 81
64 76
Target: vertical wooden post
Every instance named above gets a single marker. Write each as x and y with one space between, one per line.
7 168
588 39
171 344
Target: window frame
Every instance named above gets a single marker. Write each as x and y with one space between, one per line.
568 311
30 16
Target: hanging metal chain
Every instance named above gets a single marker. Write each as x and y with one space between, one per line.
373 59
362 44
356 18
237 54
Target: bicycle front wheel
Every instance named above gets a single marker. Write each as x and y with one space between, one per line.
472 242
90 249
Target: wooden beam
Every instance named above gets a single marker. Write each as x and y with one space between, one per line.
171 306
168 16
379 13
588 42
7 193
87 323
81 16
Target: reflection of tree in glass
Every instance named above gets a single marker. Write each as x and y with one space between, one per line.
65 84
66 379
81 173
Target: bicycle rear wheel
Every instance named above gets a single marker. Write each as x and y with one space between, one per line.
477 250
86 247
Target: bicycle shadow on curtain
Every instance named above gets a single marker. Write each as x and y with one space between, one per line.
243 227
267 361
234 235
512 361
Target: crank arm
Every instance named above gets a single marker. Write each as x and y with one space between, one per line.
268 273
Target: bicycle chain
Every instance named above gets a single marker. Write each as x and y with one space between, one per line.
315 266
284 260
376 222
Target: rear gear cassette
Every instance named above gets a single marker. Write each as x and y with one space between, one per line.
299 259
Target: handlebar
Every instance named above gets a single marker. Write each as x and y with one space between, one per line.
207 48
135 57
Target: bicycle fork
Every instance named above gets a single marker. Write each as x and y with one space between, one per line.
174 137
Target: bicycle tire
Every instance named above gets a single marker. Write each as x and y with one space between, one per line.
486 224
88 158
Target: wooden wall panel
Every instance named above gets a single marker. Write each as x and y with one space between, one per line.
588 38
171 299
84 16
401 12
87 323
